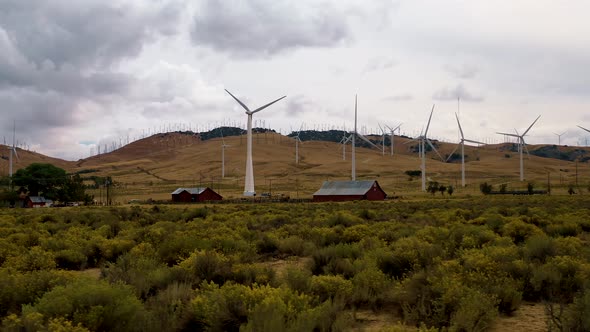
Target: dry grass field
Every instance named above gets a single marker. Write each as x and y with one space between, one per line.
155 166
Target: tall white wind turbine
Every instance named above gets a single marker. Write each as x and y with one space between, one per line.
354 135
249 181
422 141
521 145
462 143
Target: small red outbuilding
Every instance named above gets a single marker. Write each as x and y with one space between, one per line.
349 191
195 195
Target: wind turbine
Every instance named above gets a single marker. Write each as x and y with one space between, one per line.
354 135
559 136
249 181
393 134
12 151
223 146
297 141
422 140
382 140
345 139
521 145
462 143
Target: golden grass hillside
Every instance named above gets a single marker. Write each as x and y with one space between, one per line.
155 166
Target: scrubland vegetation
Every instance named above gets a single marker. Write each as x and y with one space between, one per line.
454 264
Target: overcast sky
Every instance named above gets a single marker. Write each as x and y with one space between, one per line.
74 74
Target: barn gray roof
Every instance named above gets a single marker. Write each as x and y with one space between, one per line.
37 199
192 191
344 188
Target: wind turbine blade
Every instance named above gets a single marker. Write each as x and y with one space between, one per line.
507 134
429 118
368 141
267 105
472 141
584 128
396 128
435 150
348 139
459 123
239 101
451 154
531 126
16 154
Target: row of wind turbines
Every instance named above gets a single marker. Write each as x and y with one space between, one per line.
422 140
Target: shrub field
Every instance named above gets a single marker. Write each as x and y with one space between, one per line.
438 264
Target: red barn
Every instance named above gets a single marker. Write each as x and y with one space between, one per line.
195 195
349 191
35 201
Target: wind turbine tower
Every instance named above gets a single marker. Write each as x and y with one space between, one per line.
462 143
249 181
521 145
422 140
354 135
12 151
223 146
297 141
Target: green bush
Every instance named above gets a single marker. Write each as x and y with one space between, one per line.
97 305
329 287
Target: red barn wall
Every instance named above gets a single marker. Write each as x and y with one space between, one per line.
375 193
184 196
208 195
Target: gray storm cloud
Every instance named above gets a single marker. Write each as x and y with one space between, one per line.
261 27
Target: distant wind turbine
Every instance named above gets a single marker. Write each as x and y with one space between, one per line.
12 151
559 137
249 181
422 140
354 135
462 143
521 145
392 130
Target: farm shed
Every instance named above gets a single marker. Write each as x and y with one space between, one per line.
349 191
35 201
195 195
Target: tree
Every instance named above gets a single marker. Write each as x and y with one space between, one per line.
41 178
450 190
442 188
51 182
486 188
433 187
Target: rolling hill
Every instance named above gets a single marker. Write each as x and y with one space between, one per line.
154 166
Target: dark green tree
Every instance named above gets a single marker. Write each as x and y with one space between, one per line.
486 188
433 187
39 178
51 182
73 190
450 190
